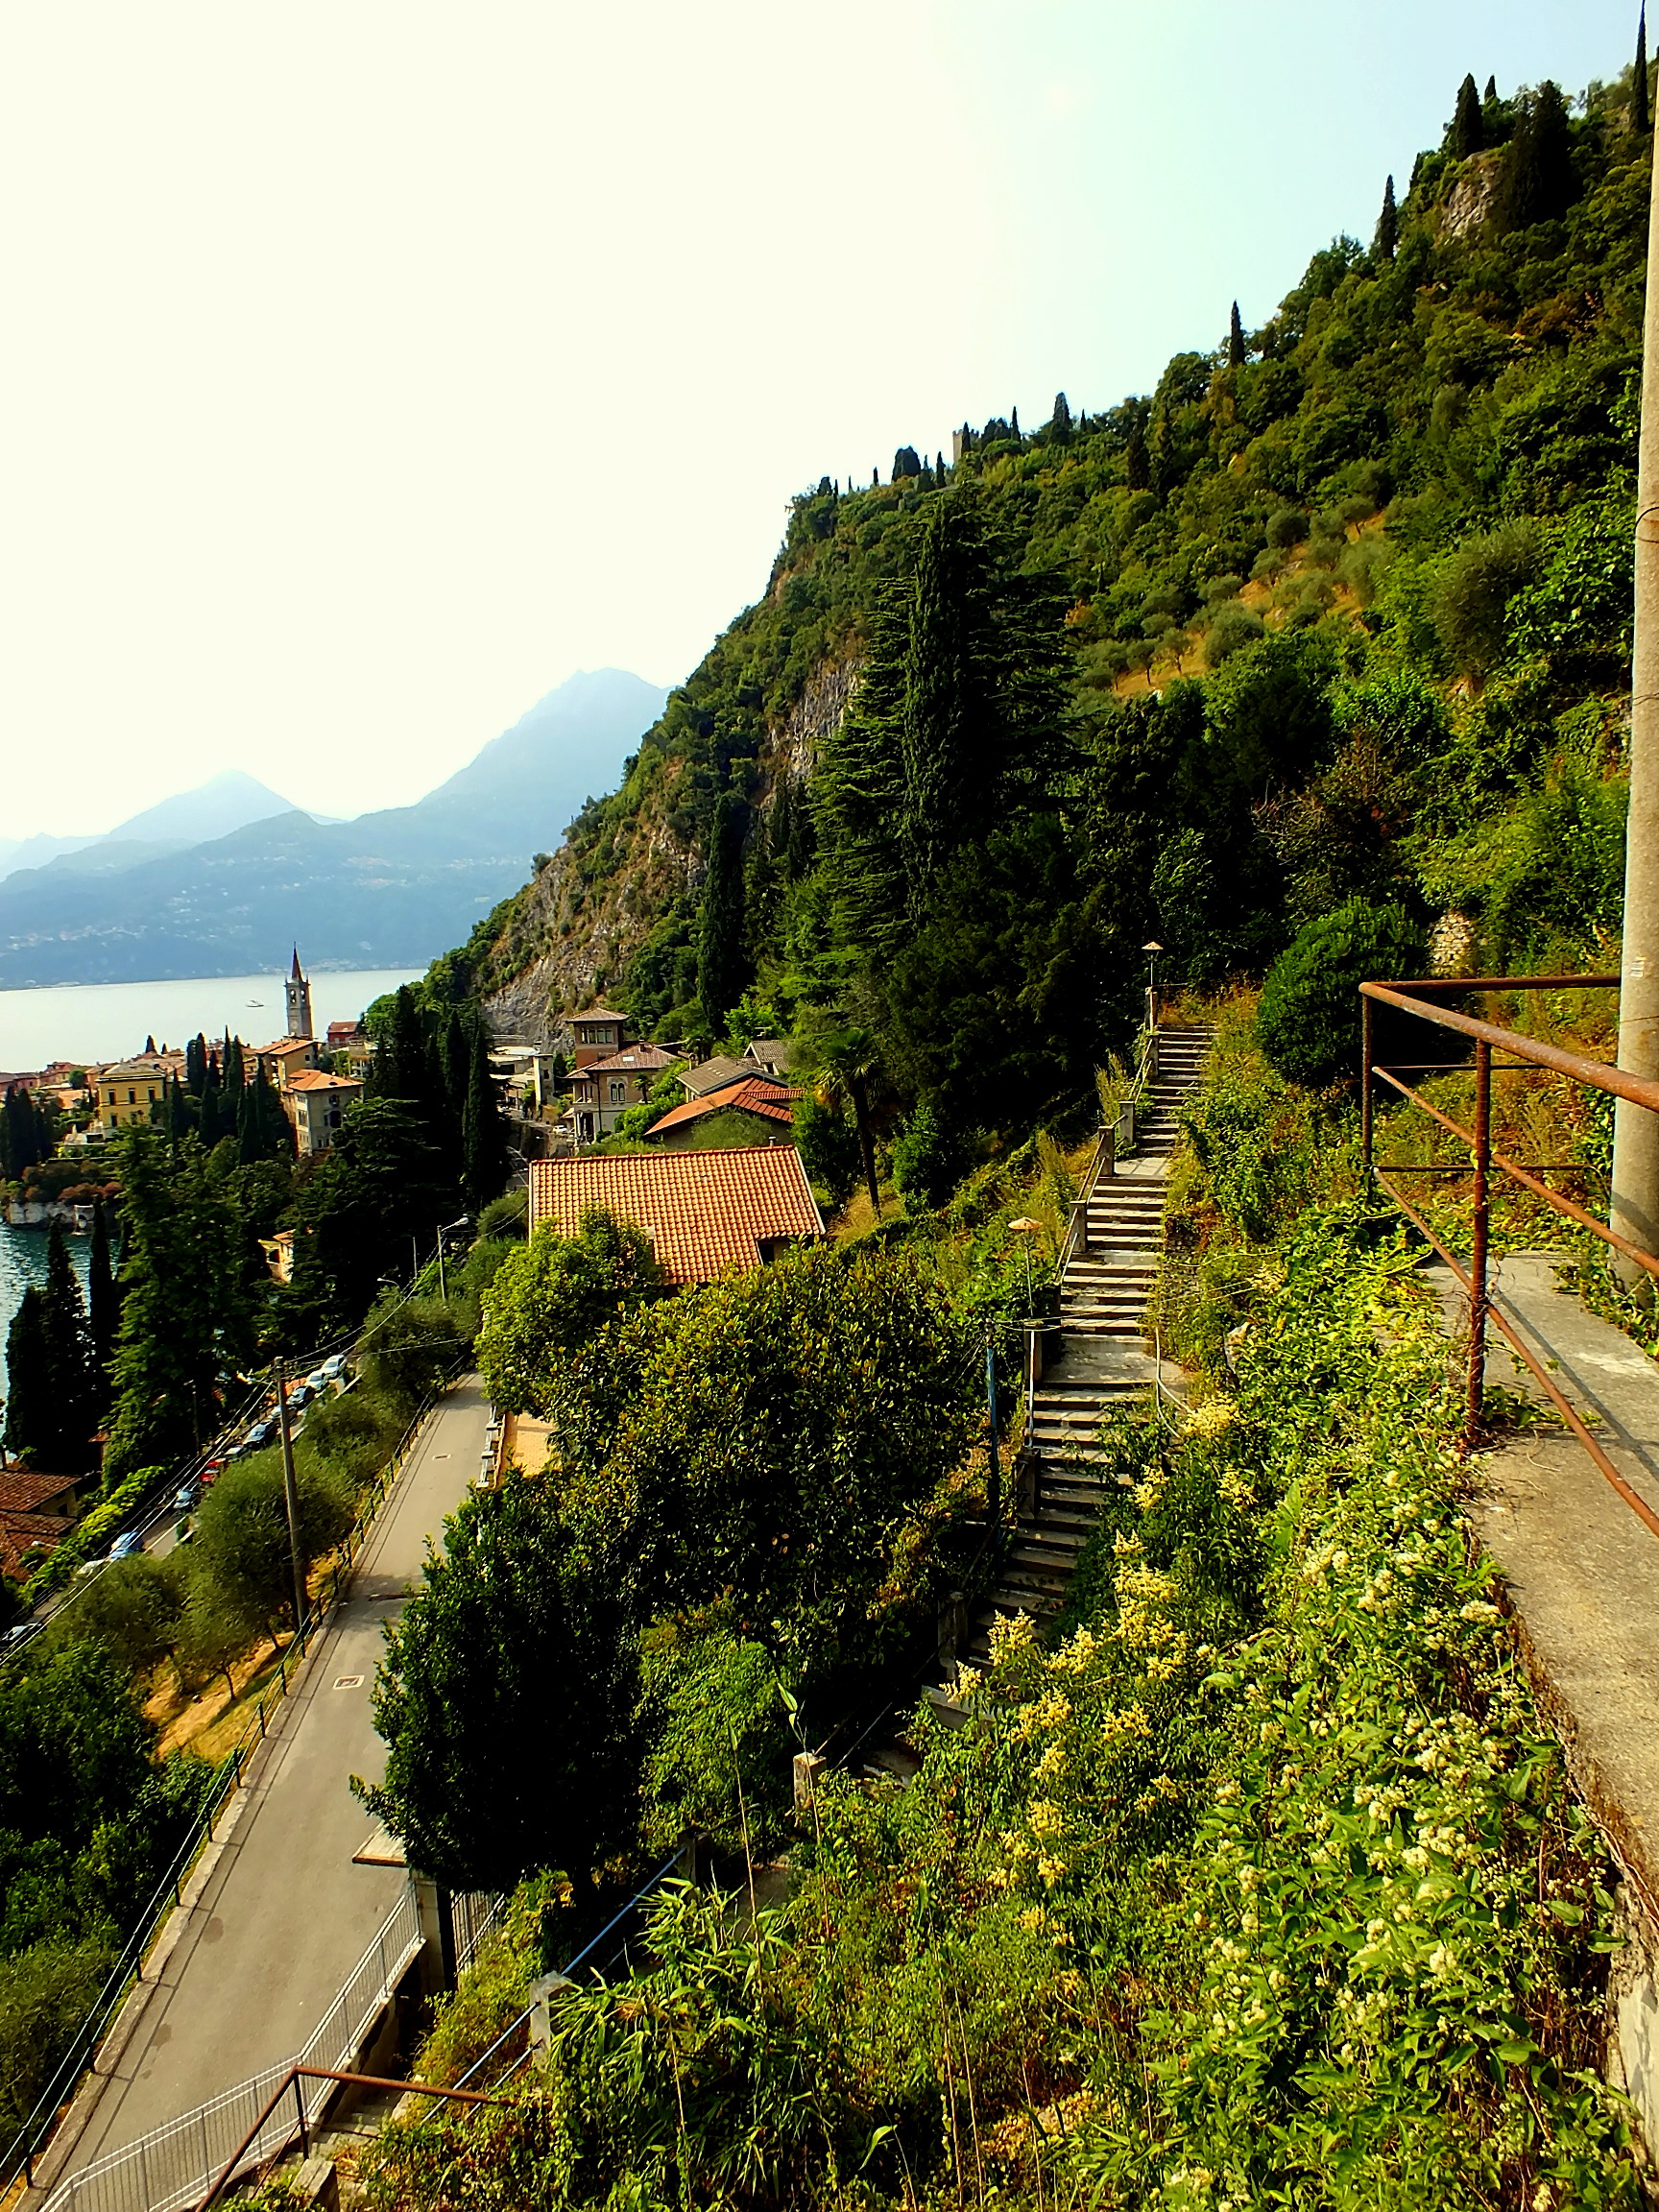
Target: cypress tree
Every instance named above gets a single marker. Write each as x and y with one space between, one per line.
939 466
261 1125
1468 132
1537 183
1137 461
1641 114
235 1072
484 1140
28 1378
1235 340
1387 226
196 1064
102 1306
1060 422
73 1411
720 924
1013 423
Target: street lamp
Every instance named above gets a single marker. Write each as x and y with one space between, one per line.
443 1234
1153 948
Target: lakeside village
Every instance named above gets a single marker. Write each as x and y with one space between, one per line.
594 1090
593 1084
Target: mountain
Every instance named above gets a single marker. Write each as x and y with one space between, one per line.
226 802
390 889
1341 607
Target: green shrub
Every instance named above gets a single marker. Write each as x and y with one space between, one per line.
829 1147
1475 589
1308 1019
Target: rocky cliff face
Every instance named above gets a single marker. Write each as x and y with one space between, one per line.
577 925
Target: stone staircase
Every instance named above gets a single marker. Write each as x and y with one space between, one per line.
1105 1289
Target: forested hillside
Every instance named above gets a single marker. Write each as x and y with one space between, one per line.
1341 607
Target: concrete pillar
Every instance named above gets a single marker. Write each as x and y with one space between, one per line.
1635 1199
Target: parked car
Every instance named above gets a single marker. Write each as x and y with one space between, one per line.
125 1545
334 1366
259 1435
300 1397
316 1383
184 1497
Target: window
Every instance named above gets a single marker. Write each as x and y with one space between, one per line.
131 1098
112 1098
618 1093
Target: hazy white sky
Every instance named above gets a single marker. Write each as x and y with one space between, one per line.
370 367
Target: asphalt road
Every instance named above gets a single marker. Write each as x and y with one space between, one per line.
285 1916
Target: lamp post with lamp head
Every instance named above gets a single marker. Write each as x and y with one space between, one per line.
1153 948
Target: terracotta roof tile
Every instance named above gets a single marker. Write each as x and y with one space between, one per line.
703 1212
753 1095
24 1491
315 1079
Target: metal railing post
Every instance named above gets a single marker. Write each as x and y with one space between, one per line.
994 1475
1478 1299
1365 1055
299 2108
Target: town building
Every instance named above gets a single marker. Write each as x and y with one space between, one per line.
313 1102
771 1055
598 1032
714 1074
286 1058
602 1092
35 1514
128 1090
705 1213
754 1110
297 1000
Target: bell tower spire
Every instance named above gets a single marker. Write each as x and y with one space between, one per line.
296 993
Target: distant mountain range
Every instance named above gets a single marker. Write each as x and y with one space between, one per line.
225 880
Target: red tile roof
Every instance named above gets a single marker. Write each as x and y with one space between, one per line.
21 1533
703 1212
750 1095
24 1491
315 1079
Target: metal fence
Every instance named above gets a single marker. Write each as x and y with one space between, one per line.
174 2165
1421 999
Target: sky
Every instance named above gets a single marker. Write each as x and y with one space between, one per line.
372 366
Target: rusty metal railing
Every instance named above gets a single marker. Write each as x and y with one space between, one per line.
1419 998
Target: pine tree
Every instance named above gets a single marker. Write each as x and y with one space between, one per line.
484 1139
1468 132
1387 226
720 975
1060 422
1641 113
28 1379
1236 348
102 1306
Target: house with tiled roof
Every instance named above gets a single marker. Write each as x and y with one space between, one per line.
314 1103
705 1211
36 1515
128 1090
712 1074
754 1110
602 1090
285 1058
771 1055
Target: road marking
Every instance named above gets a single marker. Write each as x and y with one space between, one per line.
350 1682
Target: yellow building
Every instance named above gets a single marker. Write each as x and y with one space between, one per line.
127 1091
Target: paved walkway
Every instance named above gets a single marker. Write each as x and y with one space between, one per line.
284 1915
1582 1569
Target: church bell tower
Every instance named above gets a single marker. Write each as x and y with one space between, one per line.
297 991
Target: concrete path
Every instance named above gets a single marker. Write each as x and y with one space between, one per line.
1582 1569
285 1915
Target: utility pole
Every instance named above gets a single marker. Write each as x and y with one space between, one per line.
1634 1211
291 1493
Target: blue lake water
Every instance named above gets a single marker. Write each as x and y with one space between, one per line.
104 1021
111 1021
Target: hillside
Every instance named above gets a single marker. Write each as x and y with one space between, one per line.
1345 605
388 889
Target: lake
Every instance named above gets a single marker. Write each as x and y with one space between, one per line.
79 1021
